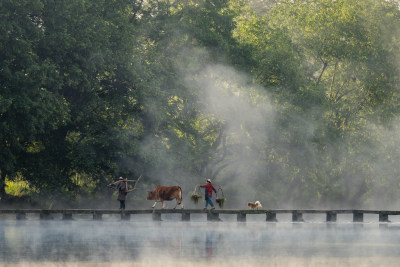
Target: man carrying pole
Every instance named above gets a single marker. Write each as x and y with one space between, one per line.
209 188
123 189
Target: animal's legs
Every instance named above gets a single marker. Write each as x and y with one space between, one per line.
154 204
179 199
163 204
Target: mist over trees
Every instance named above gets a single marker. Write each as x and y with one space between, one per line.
293 103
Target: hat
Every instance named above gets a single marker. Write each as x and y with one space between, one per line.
209 180
121 178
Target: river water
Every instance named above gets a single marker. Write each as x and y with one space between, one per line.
112 242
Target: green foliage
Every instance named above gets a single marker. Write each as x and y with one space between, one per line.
331 64
91 90
18 188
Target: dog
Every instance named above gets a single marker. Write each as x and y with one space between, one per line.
254 205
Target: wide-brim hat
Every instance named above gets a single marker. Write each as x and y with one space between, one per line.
121 178
209 180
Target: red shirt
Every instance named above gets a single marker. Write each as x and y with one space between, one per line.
208 188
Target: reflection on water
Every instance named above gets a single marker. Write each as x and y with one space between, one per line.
137 243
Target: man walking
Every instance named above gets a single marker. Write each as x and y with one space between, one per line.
122 186
209 188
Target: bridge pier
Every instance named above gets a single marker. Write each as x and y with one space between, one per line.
271 217
20 216
185 216
125 216
45 215
97 216
331 216
297 216
358 216
241 217
383 217
156 216
67 216
213 216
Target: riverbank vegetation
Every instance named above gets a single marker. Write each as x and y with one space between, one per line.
293 103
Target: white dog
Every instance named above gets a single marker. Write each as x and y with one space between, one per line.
254 205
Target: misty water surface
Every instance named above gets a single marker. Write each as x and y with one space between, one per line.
111 241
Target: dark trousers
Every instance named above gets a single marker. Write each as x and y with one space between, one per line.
122 204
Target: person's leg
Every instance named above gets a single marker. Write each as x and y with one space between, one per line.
120 204
123 204
210 200
207 201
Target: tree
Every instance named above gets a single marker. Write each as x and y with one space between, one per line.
68 89
331 64
181 38
30 104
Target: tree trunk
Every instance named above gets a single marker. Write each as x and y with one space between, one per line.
3 195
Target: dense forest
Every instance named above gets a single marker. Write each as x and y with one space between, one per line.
291 102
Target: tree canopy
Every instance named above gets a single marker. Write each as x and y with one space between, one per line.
287 102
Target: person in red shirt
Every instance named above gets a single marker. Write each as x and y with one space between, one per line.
209 188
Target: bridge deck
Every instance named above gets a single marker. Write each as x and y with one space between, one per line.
297 214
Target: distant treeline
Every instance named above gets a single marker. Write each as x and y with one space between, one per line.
293 103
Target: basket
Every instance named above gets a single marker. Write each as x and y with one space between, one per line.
195 196
220 200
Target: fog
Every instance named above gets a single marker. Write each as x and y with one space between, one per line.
140 242
230 98
281 166
249 171
247 116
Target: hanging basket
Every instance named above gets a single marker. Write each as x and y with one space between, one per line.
195 196
220 200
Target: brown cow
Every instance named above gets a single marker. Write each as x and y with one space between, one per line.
165 193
